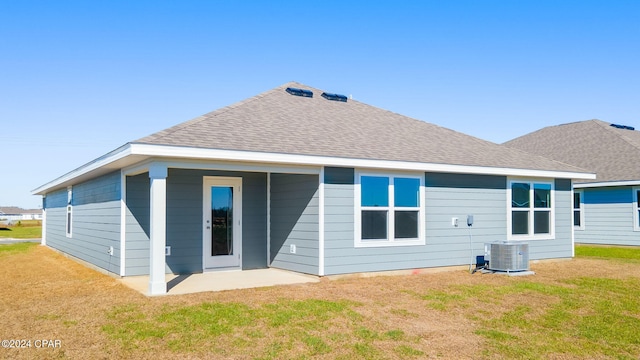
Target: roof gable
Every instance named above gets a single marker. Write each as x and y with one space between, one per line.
592 144
278 122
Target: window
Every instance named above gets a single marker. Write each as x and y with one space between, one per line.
389 210
530 207
636 209
69 219
578 209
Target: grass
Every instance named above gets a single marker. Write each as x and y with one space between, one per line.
606 252
25 229
584 308
12 249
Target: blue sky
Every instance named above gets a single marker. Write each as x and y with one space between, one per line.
81 78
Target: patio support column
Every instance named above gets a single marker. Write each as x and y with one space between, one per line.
158 233
43 240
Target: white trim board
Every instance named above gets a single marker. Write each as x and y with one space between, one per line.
131 154
321 234
607 184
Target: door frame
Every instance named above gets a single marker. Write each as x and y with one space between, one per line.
236 184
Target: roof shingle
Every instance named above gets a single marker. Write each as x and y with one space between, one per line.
278 122
612 153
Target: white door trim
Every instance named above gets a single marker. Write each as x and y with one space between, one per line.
234 261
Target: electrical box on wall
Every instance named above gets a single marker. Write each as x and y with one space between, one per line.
167 250
454 221
292 249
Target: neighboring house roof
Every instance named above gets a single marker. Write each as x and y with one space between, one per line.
278 127
612 153
14 210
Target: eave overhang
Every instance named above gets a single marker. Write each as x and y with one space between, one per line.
136 153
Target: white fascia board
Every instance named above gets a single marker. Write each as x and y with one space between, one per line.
140 151
115 155
607 184
296 159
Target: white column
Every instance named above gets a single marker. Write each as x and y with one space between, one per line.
43 240
321 222
123 222
268 219
158 215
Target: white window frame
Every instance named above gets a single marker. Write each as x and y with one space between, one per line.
636 216
581 209
552 218
390 241
68 220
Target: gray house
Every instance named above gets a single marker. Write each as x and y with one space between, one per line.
309 181
605 211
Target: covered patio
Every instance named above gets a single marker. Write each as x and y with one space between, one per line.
221 280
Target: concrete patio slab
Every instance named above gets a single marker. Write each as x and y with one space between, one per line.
221 280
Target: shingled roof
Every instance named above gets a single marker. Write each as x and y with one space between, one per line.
612 153
278 122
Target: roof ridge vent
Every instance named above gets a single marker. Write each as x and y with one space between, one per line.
625 127
334 97
299 92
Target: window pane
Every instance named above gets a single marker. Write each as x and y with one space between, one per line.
576 217
406 192
520 195
520 222
638 197
406 224
374 225
576 200
542 195
541 222
68 220
374 191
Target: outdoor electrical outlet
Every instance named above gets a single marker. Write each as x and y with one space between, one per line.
110 251
292 249
167 251
454 221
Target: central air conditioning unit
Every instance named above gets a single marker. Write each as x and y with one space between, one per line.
507 256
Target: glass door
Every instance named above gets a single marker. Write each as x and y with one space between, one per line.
222 214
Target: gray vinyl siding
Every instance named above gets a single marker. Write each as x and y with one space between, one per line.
184 221
446 196
338 218
608 217
294 221
459 195
95 221
137 218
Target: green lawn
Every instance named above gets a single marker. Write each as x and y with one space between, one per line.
584 308
24 229
21 232
606 252
578 317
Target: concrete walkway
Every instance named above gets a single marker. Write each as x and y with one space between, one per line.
221 280
13 241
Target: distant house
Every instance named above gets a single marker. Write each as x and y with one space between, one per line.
12 214
605 210
310 181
